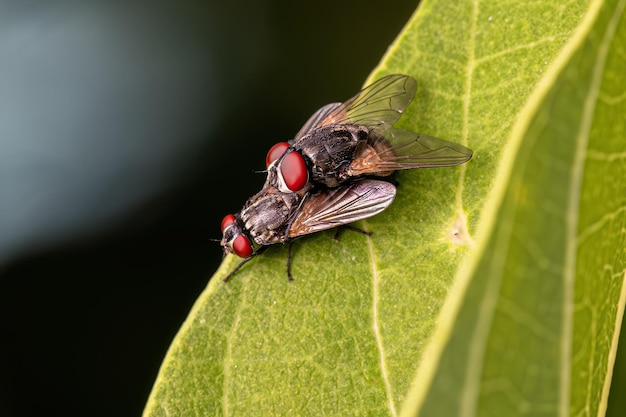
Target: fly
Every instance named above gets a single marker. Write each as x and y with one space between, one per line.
344 141
271 216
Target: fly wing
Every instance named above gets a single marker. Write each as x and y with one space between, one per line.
332 207
377 106
400 149
315 120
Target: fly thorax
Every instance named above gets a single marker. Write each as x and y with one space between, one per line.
330 150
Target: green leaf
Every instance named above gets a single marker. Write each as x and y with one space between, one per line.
494 288
533 325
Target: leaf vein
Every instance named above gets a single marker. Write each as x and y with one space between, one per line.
521 47
517 314
228 358
605 157
473 371
376 328
612 100
597 225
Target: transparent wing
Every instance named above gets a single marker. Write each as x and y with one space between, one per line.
334 207
315 119
377 106
400 149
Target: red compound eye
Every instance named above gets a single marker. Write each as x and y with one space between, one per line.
242 247
294 171
275 152
227 221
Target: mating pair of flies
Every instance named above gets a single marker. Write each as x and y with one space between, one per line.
333 172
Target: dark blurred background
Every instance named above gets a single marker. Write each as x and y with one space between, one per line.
127 131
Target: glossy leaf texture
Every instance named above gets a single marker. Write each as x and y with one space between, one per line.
492 288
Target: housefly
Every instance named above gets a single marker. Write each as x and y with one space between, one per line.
271 216
344 141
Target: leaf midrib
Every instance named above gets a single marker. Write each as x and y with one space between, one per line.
376 328
474 369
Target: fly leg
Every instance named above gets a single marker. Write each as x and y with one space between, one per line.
231 273
242 263
289 276
354 229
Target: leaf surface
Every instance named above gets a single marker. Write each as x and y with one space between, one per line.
491 288
535 323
